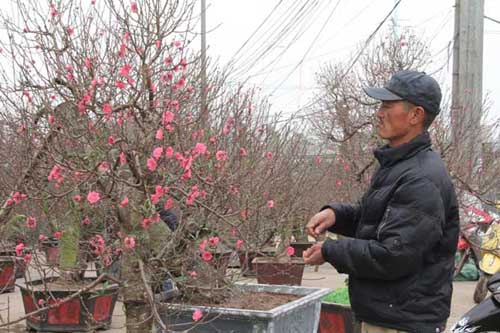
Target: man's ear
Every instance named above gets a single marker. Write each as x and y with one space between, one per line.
418 115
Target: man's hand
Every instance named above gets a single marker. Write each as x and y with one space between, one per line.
313 256
320 222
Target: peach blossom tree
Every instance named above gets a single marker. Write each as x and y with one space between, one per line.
101 105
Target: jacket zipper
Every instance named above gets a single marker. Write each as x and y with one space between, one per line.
384 222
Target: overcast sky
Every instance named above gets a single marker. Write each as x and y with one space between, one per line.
330 34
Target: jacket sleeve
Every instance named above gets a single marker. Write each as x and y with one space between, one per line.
411 227
346 218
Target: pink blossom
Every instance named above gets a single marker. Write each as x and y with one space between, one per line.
152 165
125 70
19 249
51 119
168 60
123 158
87 63
129 242
346 167
203 245
123 49
57 234
119 84
183 63
270 204
159 134
146 223
338 182
77 198
221 155
41 302
290 251
86 220
213 241
27 258
97 242
133 7
155 198
318 160
55 173
103 166
197 315
93 197
207 256
269 155
239 244
199 149
168 117
124 202
159 190
227 126
106 108
111 140
70 30
193 274
243 152
233 189
177 43
31 222
42 238
169 152
157 152
169 203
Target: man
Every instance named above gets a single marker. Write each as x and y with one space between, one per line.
405 228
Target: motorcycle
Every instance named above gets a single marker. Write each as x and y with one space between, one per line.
489 264
484 317
479 240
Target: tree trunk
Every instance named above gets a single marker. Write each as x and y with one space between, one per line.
138 312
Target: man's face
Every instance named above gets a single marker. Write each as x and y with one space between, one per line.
394 121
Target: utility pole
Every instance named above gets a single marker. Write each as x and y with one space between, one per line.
203 74
467 92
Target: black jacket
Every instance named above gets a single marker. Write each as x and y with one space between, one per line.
405 228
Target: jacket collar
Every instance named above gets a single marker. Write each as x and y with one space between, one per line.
388 156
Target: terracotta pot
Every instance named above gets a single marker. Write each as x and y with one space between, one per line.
7 276
246 258
51 250
20 264
337 318
92 310
287 271
300 247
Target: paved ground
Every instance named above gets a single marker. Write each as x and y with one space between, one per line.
11 304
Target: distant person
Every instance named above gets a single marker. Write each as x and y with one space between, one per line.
168 216
404 230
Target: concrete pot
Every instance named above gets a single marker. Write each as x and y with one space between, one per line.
301 315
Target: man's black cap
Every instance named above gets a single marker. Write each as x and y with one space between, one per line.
415 87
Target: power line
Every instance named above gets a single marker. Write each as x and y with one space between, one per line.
371 36
345 73
491 19
287 21
310 46
258 28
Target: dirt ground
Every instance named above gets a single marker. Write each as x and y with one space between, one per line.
11 306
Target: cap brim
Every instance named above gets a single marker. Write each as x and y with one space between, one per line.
382 94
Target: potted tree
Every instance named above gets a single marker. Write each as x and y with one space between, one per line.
117 130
